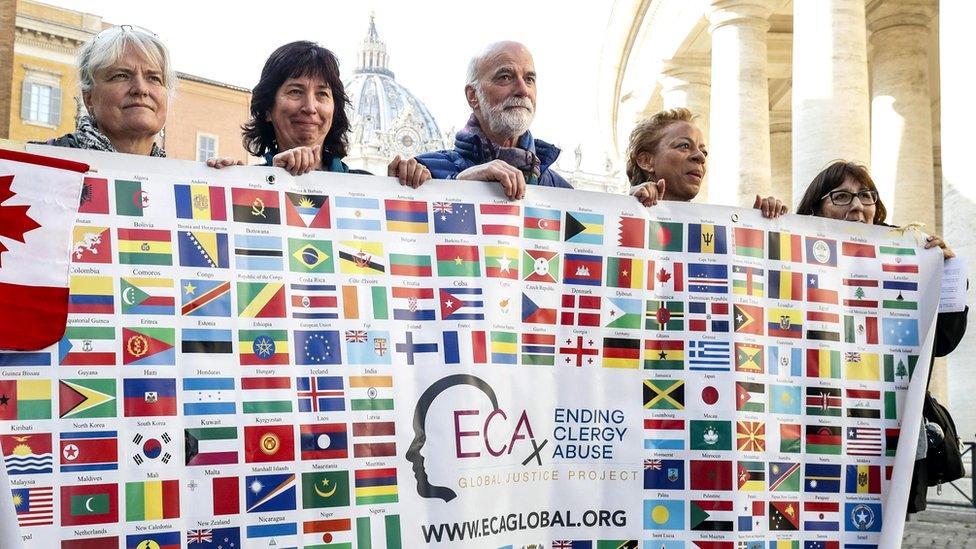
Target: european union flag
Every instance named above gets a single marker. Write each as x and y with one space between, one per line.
317 347
664 474
454 218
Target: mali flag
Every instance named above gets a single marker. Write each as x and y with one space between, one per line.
152 500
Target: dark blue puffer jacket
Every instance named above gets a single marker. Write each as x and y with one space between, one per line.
468 152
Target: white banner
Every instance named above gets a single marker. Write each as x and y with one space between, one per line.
336 361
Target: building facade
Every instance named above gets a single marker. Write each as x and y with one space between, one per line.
43 99
784 87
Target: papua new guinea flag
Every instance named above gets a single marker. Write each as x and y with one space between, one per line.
38 200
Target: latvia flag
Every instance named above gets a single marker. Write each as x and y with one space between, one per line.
39 199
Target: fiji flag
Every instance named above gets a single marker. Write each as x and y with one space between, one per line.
368 347
454 218
707 239
664 474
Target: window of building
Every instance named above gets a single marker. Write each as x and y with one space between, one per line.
206 146
41 100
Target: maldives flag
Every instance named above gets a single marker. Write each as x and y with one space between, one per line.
89 504
38 200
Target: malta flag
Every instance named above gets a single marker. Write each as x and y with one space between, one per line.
39 198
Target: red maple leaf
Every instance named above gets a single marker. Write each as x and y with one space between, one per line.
14 221
663 275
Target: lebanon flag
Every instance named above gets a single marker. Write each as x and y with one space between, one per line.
39 198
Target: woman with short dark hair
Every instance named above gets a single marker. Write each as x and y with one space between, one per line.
298 116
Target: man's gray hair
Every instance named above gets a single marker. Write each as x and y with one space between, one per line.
108 47
472 75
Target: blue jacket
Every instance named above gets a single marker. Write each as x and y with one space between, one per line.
468 152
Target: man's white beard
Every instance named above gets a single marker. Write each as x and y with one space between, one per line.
507 123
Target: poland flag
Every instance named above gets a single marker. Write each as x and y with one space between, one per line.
38 202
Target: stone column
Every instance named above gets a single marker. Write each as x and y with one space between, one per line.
957 41
781 157
830 87
901 111
685 82
739 126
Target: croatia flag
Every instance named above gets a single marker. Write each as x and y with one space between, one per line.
39 198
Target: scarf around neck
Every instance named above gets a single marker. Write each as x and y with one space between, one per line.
522 159
88 136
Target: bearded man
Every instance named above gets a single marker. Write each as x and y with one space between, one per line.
495 144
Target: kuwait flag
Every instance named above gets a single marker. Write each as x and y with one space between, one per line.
38 199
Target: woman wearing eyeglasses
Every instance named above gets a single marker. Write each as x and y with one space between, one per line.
126 82
845 191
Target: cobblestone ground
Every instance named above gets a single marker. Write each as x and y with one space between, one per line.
941 526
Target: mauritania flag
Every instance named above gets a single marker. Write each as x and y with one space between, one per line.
200 202
310 256
209 396
147 296
145 247
358 213
87 346
199 297
253 252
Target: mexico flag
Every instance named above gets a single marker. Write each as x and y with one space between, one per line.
38 202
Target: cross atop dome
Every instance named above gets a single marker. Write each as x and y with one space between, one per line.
373 57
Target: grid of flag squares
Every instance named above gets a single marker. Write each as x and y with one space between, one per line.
771 370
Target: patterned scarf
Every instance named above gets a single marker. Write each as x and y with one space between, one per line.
521 159
88 136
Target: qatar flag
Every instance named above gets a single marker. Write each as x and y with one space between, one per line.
38 202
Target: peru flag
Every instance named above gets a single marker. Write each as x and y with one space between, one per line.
39 199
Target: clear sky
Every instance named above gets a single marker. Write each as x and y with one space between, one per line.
429 42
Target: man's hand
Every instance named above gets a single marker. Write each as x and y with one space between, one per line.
299 161
648 192
410 172
223 162
771 206
511 179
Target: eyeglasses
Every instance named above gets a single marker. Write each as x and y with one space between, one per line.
844 198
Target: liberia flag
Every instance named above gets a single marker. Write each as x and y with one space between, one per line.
38 200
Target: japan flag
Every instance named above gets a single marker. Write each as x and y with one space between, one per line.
38 202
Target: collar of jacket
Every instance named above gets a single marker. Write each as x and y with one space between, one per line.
469 146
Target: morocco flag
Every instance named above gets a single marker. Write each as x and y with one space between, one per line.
39 198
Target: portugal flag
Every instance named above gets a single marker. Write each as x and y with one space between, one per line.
38 201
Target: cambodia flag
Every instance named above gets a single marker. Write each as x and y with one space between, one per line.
38 200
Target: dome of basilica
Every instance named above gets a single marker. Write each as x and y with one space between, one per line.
385 118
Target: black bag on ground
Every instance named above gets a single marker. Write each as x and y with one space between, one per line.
943 462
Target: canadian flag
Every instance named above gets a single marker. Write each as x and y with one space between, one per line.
38 202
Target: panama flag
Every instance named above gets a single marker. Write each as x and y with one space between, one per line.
38 200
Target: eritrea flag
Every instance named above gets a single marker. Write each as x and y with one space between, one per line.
458 260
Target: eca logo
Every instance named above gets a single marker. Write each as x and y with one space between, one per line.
471 433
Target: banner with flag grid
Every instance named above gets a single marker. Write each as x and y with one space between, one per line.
243 361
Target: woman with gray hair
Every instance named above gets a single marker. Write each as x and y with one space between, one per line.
126 80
